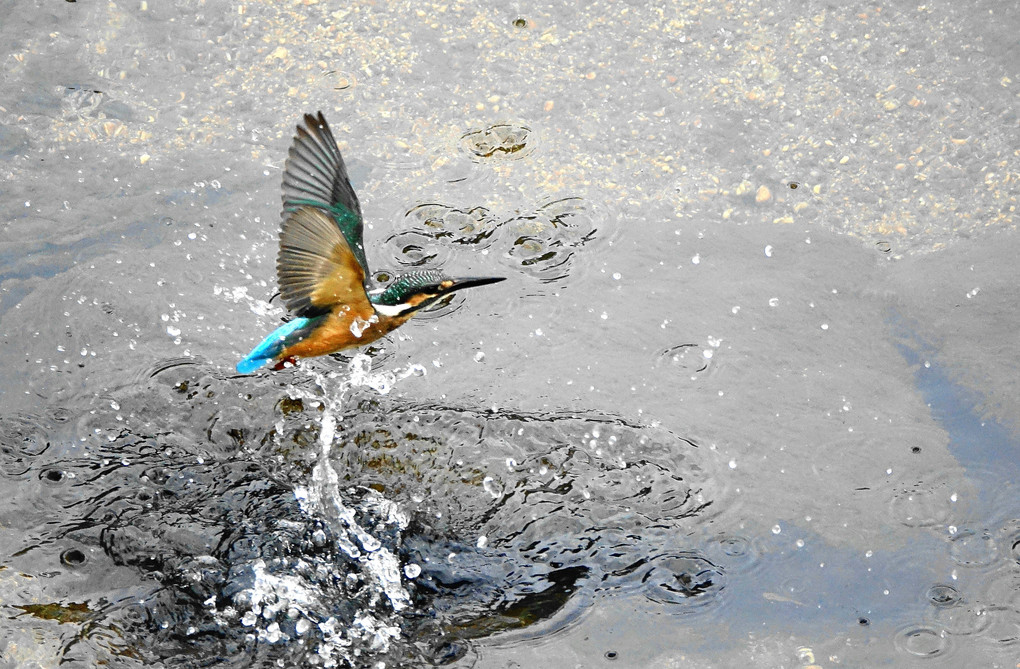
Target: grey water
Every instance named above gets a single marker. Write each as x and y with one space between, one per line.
747 398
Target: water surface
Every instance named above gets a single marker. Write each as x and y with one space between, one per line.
748 397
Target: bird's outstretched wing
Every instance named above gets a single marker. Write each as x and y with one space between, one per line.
317 268
315 176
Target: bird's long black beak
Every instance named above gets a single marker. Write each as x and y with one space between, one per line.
470 282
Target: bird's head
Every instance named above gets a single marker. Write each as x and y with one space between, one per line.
416 290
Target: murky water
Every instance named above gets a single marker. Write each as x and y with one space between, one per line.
748 397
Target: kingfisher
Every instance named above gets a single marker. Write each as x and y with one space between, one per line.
321 266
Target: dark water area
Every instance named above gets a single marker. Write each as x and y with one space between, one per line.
748 396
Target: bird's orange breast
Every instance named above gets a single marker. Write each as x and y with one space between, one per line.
345 327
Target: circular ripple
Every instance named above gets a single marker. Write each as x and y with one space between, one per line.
731 552
921 641
503 141
684 579
659 496
545 241
1013 541
923 503
22 438
24 434
942 595
1003 588
462 226
686 359
973 548
343 81
1004 625
963 619
416 248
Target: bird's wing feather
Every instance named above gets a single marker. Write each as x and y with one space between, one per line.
315 175
316 267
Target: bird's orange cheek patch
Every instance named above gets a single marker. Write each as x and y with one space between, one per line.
415 300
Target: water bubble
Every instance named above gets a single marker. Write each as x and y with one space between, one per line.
52 476
73 558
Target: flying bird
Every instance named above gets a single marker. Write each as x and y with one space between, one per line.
321 266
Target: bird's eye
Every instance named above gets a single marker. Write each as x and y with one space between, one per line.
382 277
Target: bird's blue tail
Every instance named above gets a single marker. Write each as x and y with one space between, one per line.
271 346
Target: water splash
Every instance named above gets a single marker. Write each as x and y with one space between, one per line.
359 325
377 623
323 498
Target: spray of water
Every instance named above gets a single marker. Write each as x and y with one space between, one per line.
322 497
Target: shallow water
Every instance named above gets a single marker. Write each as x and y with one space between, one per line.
748 397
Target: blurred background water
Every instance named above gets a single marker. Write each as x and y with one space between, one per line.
748 397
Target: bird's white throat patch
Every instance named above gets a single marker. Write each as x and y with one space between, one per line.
391 310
